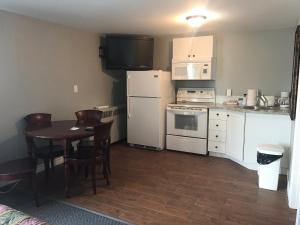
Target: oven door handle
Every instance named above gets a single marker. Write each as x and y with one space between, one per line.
186 112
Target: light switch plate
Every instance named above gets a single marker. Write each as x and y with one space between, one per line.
75 88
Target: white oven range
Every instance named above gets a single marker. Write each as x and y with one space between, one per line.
187 121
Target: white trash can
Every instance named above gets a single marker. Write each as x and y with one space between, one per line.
268 159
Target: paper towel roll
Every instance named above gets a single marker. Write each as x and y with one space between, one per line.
252 97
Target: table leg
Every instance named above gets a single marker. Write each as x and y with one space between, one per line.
34 188
66 146
30 147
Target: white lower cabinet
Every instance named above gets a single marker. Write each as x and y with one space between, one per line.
235 135
216 135
266 129
216 146
217 131
226 133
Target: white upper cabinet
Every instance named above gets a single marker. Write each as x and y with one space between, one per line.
192 48
235 135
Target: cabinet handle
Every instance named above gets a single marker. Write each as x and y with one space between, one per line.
227 115
217 136
189 56
216 146
218 114
217 125
194 56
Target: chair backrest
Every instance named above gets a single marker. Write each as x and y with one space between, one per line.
102 133
38 119
88 116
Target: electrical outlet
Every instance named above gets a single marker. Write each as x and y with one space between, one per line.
228 92
75 88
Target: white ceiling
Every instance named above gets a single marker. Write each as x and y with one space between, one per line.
157 17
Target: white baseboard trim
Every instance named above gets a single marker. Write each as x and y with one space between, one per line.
250 166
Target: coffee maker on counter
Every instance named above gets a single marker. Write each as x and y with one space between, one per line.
284 100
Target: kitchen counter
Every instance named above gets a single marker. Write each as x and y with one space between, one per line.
271 110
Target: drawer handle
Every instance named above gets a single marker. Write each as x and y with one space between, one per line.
227 115
189 56
193 55
217 125
218 114
217 136
216 146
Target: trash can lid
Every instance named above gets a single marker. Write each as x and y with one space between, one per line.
270 149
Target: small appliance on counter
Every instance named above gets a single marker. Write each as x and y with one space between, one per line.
284 100
252 97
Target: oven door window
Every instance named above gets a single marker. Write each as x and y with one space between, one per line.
186 122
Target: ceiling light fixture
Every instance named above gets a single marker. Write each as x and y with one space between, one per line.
195 20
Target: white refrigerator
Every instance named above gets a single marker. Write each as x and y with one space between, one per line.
148 94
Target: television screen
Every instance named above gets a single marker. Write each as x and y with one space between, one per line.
129 52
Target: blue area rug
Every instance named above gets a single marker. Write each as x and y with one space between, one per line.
57 212
60 213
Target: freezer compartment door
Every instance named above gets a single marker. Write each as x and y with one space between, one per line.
143 83
143 122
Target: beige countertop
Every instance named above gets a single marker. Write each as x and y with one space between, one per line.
271 110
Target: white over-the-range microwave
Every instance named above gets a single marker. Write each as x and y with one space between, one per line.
192 70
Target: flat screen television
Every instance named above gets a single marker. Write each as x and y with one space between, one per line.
128 52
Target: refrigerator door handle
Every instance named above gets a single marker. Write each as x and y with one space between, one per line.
128 107
127 84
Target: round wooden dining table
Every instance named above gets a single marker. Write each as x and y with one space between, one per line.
65 132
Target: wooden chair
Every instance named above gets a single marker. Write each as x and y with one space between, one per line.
101 146
20 169
86 159
46 152
88 116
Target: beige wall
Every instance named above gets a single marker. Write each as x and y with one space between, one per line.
258 59
39 64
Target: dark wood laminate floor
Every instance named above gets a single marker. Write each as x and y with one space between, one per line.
170 188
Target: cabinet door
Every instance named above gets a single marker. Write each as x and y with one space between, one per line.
182 49
235 135
193 48
202 47
267 129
